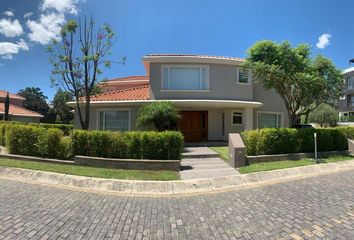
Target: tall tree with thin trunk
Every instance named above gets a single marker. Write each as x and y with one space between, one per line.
7 107
78 59
303 82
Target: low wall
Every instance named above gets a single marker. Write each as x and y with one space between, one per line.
132 164
292 156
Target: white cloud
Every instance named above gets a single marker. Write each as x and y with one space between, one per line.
10 28
62 6
8 49
46 28
8 13
323 41
28 15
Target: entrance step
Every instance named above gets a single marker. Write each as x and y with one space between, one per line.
199 152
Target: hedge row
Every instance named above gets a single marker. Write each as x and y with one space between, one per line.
51 143
133 145
66 128
37 141
290 140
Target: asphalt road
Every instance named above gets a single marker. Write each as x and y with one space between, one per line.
314 208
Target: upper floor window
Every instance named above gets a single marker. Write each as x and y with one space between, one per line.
350 83
185 78
243 75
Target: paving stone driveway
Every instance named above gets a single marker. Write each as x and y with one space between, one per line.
314 208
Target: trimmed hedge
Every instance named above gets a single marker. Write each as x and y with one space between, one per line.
66 128
289 140
134 145
36 141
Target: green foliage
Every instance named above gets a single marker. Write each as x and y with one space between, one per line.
287 140
303 82
66 128
163 115
36 141
325 115
35 100
60 106
134 145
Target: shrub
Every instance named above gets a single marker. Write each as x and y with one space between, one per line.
35 141
287 140
135 145
65 149
66 128
325 115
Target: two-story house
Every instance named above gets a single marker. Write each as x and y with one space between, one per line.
346 101
215 97
16 110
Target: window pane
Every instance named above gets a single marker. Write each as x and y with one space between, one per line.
243 75
184 78
101 120
117 120
267 120
237 118
165 78
204 79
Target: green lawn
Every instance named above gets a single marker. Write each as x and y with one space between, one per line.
223 152
267 166
92 171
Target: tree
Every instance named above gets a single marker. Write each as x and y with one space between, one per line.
325 115
35 100
60 106
163 115
304 83
7 106
77 60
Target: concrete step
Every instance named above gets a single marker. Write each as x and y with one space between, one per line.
198 152
192 155
204 167
203 161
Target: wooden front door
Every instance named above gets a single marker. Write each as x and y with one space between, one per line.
194 125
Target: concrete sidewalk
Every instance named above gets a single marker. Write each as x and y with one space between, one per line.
170 188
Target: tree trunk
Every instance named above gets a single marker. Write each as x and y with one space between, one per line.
87 112
293 120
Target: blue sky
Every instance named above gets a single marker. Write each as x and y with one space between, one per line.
214 27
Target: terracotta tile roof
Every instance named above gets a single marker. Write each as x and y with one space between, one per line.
136 93
3 95
129 78
18 111
196 56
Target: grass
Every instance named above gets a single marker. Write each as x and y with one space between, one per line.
267 166
92 171
223 152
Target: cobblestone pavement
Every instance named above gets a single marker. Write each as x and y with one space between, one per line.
314 208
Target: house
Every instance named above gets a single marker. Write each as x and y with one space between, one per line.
346 102
16 110
214 95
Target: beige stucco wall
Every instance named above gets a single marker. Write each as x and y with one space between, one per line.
222 84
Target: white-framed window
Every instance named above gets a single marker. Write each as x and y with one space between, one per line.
352 101
114 119
269 119
244 76
236 118
184 78
350 83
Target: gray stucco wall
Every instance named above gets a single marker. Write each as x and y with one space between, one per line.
272 102
94 116
222 84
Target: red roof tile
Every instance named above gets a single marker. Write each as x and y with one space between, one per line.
137 93
129 78
4 93
18 111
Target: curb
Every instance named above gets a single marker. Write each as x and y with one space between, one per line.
170 188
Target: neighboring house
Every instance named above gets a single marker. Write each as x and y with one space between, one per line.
16 111
214 95
346 101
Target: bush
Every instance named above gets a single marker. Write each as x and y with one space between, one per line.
135 145
325 115
35 141
66 128
287 140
